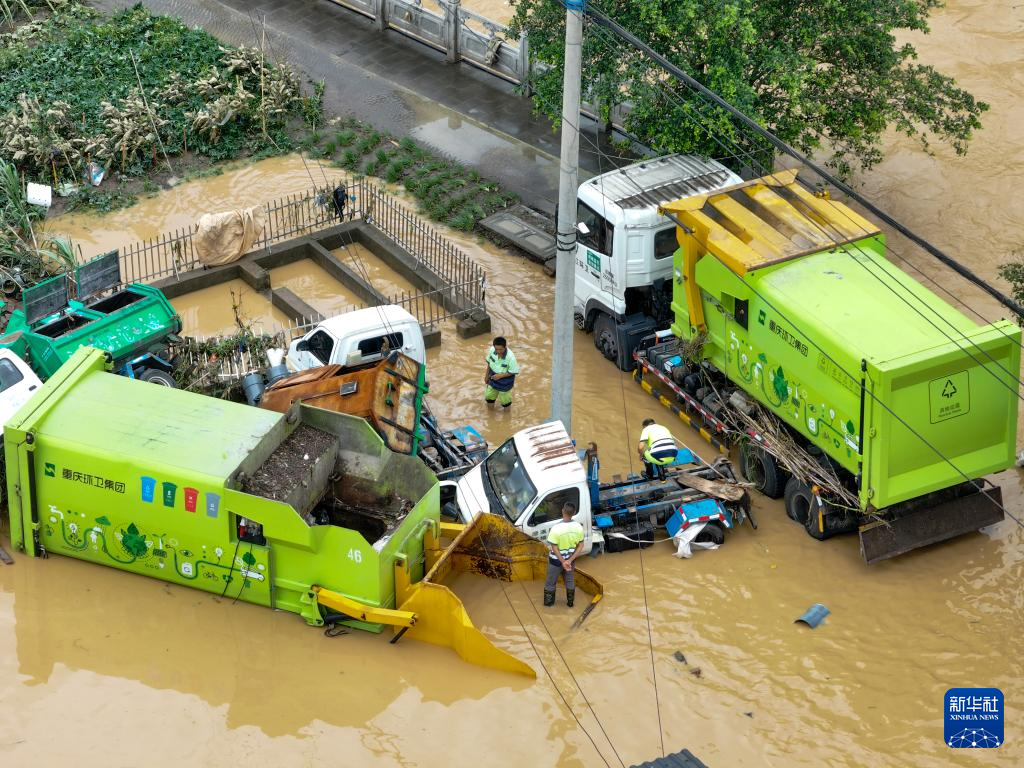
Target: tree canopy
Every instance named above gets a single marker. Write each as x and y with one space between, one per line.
823 75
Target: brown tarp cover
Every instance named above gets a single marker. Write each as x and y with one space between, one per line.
227 236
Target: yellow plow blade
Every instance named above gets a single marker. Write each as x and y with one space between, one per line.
489 546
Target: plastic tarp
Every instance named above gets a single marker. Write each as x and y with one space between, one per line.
685 544
224 237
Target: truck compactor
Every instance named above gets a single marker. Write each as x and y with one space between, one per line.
788 297
306 511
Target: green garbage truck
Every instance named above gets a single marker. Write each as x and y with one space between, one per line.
135 323
305 511
786 309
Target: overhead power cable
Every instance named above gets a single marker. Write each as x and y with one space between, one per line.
1014 388
621 32
974 483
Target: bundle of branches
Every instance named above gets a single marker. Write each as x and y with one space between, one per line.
797 461
216 366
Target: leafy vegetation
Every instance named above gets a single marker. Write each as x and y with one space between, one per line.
134 89
1013 273
27 254
127 91
445 191
824 75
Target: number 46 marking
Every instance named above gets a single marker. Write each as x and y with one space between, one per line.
355 555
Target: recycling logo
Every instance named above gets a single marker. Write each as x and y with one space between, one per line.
949 389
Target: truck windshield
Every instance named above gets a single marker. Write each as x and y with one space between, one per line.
507 477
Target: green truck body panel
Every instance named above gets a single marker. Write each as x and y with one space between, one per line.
147 479
954 398
131 322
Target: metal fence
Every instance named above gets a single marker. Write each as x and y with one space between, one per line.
431 249
462 281
447 27
463 35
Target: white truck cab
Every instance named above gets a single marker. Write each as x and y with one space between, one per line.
527 480
17 384
361 336
624 270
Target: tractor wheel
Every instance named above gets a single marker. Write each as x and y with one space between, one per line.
761 469
156 376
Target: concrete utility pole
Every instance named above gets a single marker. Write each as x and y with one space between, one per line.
565 257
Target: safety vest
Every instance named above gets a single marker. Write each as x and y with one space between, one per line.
659 439
506 364
565 536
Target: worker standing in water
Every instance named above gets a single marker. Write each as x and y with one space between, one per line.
565 539
657 448
500 376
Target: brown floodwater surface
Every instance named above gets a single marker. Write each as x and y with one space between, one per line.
211 311
101 668
315 286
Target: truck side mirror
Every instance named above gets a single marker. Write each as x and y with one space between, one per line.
302 346
582 228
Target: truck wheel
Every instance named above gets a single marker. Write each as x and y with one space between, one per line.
606 339
800 503
712 533
156 376
761 469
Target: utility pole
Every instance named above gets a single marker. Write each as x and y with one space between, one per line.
565 256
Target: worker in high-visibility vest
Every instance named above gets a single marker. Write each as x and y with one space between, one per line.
500 376
657 448
565 541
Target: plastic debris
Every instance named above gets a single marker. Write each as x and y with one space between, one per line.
94 174
685 543
678 656
39 194
814 615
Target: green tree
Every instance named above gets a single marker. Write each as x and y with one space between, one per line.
821 74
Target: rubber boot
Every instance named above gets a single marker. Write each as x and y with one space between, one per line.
570 595
549 597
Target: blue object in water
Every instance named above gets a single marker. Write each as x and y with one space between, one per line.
467 435
814 615
683 456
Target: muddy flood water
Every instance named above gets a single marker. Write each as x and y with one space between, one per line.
101 668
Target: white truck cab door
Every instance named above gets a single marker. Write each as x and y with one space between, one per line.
595 268
314 349
543 514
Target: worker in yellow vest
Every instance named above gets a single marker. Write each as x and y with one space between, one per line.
565 540
500 376
657 448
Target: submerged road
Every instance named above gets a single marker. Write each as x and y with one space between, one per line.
397 85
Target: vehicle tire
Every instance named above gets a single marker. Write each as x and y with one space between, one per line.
606 339
800 503
156 376
761 469
712 533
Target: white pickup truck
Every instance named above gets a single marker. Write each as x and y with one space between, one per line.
18 383
361 336
531 475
